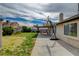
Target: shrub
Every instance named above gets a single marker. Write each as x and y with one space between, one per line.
26 29
7 30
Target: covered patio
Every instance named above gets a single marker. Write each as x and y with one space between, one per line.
44 29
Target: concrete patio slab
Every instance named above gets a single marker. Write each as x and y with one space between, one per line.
46 47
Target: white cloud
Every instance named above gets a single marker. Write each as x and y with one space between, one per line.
28 24
30 11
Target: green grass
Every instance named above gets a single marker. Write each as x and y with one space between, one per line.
19 44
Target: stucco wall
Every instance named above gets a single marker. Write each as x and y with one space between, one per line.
74 41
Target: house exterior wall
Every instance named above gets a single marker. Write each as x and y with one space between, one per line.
14 25
5 24
74 41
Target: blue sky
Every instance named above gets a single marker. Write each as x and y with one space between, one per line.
36 13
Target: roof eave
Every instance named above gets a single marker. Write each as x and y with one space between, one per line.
75 17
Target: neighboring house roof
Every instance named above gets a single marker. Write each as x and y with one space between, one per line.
6 24
14 23
10 24
75 17
43 28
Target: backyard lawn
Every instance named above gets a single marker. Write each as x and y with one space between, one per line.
19 44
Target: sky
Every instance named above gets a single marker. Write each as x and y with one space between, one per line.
36 13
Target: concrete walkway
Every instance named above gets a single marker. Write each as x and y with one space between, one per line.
46 47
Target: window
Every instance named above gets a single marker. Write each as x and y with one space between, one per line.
70 29
66 29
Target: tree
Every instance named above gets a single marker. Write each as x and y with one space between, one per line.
1 19
7 21
37 28
7 30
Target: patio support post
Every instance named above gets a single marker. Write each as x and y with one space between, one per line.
1 33
53 29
